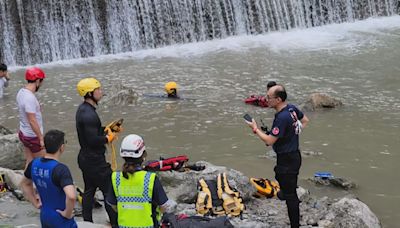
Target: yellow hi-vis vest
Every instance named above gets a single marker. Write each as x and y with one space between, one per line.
134 196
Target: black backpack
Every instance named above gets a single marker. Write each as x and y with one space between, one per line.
173 221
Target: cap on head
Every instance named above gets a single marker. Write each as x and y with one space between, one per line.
87 85
34 73
171 87
132 146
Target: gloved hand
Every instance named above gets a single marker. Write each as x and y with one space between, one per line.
110 136
115 126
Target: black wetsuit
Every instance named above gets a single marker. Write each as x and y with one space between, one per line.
288 159
91 160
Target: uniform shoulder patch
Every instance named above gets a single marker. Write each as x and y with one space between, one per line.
275 131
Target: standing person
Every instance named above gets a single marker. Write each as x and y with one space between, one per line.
284 138
4 78
137 194
54 183
30 115
96 171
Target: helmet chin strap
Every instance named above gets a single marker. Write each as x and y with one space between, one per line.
92 98
173 93
37 86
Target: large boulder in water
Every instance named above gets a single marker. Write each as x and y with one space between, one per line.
338 182
12 150
121 95
318 101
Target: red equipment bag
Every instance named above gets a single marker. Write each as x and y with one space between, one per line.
168 164
256 100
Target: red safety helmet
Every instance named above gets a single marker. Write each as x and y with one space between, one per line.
34 73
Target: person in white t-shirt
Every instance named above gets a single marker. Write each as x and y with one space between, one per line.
30 115
4 78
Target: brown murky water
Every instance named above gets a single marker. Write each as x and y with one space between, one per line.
359 141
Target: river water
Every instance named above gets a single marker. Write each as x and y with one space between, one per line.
357 63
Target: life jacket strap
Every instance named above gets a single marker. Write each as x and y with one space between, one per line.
232 202
204 199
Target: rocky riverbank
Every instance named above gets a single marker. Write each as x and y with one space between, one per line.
347 211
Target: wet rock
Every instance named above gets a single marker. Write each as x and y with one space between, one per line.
12 177
7 216
309 153
12 150
120 95
318 101
263 212
4 130
182 186
324 212
17 213
342 183
339 182
319 181
325 223
352 211
302 193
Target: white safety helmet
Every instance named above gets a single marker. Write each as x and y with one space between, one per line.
132 147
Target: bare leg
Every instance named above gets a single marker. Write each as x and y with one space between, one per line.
29 156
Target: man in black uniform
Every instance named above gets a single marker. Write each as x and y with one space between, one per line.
284 138
96 170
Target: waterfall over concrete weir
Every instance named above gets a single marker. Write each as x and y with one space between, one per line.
49 30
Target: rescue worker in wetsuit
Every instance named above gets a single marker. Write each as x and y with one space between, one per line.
54 183
96 171
259 100
172 89
137 194
284 138
271 84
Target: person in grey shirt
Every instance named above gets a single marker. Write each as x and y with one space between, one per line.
30 115
4 78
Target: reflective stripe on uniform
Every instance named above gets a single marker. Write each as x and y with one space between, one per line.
134 196
146 197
